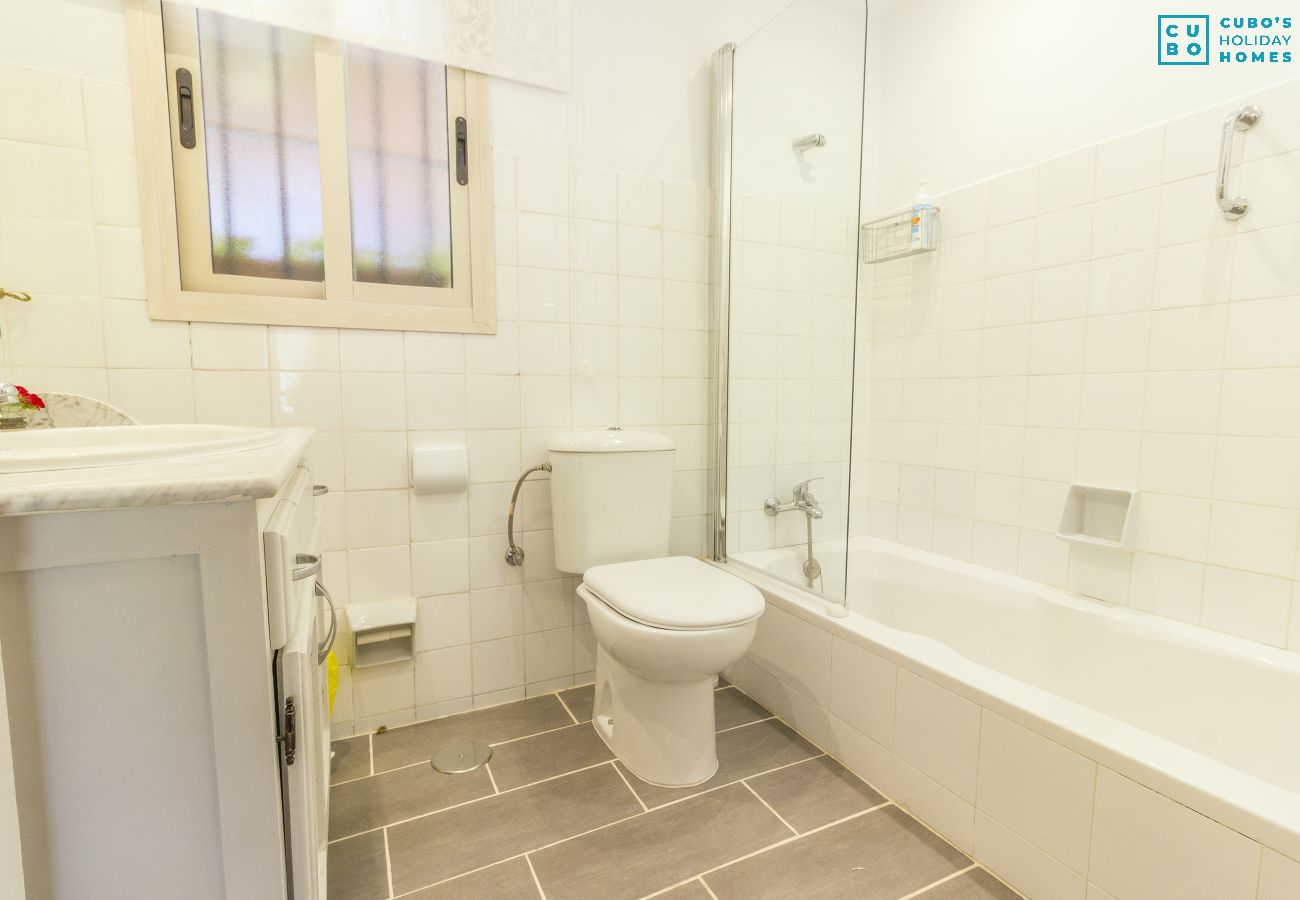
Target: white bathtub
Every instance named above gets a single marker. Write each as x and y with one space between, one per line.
1070 746
787 563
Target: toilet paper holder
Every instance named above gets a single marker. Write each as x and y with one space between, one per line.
439 468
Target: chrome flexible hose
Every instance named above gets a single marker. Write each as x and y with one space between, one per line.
515 553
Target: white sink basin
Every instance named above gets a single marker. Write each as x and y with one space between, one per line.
43 449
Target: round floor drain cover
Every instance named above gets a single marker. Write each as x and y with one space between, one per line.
461 757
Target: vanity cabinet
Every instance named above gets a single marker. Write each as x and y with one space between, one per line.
139 751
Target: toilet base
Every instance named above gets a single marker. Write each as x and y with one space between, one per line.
662 731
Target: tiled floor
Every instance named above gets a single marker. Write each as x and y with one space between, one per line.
553 816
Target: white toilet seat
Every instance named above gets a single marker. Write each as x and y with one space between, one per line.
676 593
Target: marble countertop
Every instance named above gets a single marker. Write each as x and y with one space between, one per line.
239 475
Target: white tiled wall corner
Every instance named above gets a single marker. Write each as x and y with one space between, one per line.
1095 319
603 305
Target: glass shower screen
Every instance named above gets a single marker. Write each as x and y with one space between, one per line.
788 170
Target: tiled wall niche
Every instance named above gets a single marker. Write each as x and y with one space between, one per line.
602 297
1095 319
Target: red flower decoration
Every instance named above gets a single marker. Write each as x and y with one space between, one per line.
28 399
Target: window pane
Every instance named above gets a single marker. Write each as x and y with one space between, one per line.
259 127
397 146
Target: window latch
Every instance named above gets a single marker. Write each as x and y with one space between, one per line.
185 107
462 151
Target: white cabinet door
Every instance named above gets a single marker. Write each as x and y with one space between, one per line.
304 757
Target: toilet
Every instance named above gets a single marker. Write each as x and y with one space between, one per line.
665 625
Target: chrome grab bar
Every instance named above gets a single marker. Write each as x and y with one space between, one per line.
328 644
308 565
1242 120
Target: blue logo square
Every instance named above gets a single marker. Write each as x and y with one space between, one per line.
1183 40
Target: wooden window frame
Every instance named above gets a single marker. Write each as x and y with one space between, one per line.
338 301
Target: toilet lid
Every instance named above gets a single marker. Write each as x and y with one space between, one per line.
679 593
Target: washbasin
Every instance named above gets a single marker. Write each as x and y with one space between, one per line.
44 449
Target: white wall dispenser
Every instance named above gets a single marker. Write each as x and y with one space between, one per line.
439 468
1103 517
382 632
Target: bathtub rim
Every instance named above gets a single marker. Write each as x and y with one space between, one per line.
1244 803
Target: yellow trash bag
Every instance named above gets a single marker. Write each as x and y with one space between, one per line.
332 674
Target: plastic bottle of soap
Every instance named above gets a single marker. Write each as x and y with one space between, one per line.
920 236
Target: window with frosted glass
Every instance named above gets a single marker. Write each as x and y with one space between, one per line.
398 169
263 160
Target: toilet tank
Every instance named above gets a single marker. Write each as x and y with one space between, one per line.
611 497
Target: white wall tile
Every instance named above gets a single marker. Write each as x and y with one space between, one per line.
937 732
1247 605
1063 237
640 201
371 351
1013 196
498 665
374 401
1255 538
541 185
41 107
233 398
862 691
1193 274
1265 263
1037 788
1146 845
1279 877
219 346
796 651
154 396
443 675
306 349
1130 163
945 812
1067 180
1023 865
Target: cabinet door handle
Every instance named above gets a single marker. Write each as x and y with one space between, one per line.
308 566
328 644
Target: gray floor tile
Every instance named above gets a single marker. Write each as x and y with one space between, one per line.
510 880
815 793
459 840
655 851
882 855
732 708
742 752
356 868
547 755
580 701
976 884
415 743
692 890
351 758
393 796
